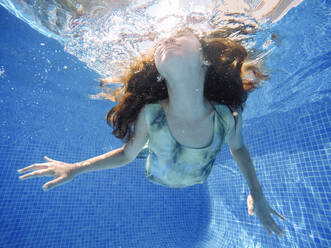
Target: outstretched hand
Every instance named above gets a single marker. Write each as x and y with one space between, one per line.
263 210
63 172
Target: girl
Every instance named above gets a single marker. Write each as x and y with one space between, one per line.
185 101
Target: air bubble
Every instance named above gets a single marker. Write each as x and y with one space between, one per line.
159 78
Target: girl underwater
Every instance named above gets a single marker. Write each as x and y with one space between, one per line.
184 101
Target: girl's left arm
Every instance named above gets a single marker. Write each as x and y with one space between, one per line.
241 155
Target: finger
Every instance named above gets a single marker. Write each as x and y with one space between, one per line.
49 159
276 228
267 223
278 214
33 167
37 173
56 182
273 226
250 205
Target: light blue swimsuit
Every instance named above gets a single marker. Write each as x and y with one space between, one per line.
174 165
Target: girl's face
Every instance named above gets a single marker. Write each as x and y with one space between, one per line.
178 54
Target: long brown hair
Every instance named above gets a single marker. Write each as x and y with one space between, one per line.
229 77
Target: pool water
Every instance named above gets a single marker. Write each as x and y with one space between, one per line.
46 110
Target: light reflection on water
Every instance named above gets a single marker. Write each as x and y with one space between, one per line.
106 34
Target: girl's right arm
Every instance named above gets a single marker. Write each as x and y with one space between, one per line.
64 172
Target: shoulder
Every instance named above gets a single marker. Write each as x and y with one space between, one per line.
141 116
225 113
154 114
154 105
234 136
232 119
153 108
223 108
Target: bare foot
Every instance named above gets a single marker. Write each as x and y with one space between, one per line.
250 204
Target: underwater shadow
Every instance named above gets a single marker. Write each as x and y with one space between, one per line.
133 212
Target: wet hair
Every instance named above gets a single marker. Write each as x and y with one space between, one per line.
228 80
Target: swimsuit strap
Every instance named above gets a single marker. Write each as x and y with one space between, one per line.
234 113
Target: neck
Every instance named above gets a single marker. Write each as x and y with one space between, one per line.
185 92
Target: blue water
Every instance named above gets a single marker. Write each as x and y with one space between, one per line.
45 110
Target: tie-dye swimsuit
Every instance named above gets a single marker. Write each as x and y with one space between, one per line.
174 165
